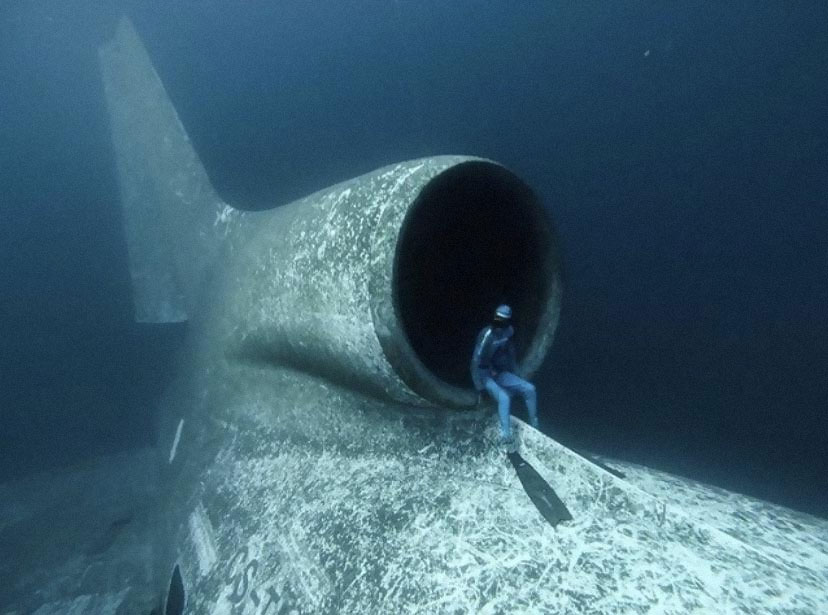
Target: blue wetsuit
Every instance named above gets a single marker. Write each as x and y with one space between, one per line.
493 368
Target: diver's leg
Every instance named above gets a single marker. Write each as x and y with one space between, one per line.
503 403
525 389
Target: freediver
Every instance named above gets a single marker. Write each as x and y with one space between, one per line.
493 368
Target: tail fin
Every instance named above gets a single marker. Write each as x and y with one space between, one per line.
170 208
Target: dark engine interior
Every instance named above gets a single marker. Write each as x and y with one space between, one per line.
475 237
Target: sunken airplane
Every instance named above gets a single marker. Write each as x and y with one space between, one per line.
321 448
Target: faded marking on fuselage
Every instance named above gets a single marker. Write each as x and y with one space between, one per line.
276 585
174 447
203 539
245 592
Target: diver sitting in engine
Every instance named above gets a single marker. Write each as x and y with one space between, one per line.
493 368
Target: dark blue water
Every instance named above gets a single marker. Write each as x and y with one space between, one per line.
681 148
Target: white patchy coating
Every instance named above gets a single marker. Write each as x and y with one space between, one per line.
308 579
313 282
424 517
298 385
203 540
780 532
335 491
177 437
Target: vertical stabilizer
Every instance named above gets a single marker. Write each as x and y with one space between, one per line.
172 213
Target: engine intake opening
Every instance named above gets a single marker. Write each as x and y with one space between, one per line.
475 237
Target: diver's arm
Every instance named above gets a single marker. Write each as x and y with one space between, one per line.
483 350
481 356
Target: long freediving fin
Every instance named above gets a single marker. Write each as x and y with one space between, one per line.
549 505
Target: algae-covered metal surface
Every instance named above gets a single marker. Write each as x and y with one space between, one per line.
318 454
